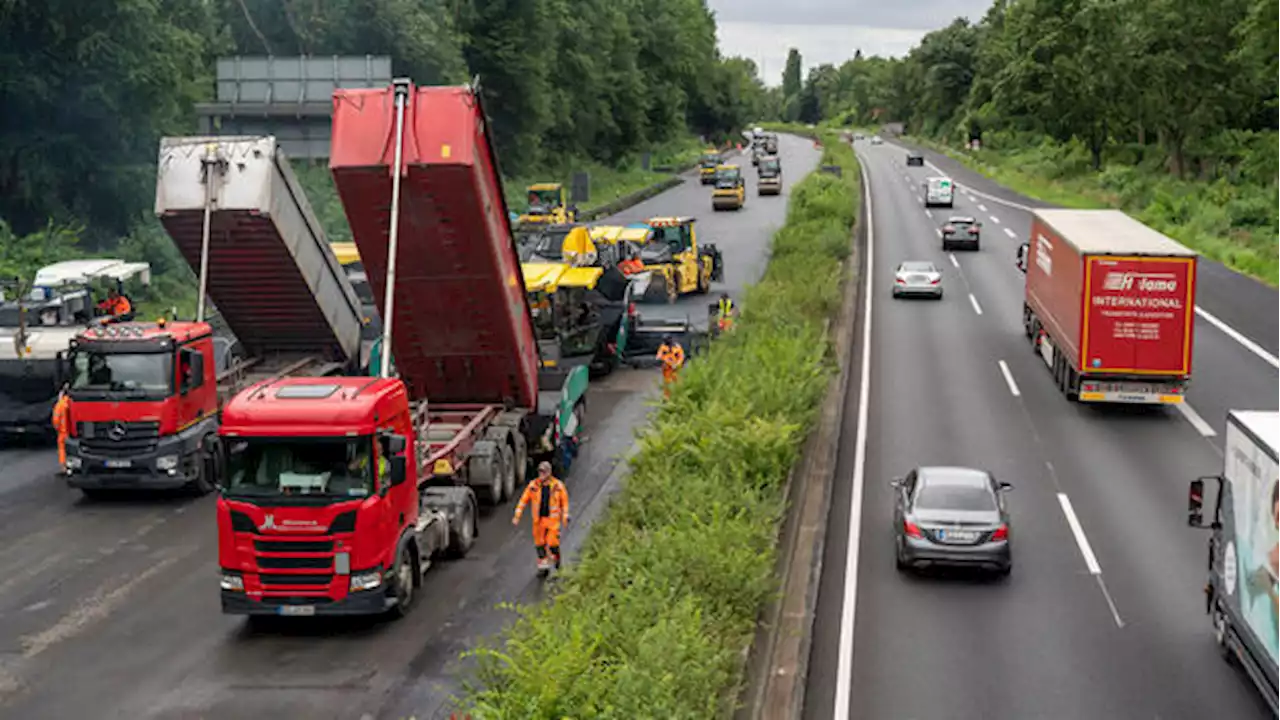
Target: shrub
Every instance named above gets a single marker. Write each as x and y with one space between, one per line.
654 619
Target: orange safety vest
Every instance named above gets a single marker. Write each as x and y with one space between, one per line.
550 499
671 356
62 414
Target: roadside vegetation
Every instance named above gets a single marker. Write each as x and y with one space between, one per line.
654 619
570 84
1166 109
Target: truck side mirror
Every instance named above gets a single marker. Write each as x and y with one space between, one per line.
395 444
1195 503
398 470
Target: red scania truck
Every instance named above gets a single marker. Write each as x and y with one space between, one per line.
1110 306
145 396
341 492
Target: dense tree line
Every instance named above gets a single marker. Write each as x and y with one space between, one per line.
90 87
1194 80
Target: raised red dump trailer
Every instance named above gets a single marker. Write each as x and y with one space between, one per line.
1110 306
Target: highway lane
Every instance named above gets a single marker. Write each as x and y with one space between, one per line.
110 609
1105 623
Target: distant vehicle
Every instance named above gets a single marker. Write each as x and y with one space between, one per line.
1109 306
915 158
939 191
917 278
875 140
1240 596
769 174
951 516
962 232
859 136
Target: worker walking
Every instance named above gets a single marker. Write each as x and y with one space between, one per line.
550 501
725 312
62 425
671 355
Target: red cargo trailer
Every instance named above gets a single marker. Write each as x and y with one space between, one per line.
1110 306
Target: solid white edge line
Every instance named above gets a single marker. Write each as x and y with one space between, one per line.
929 213
844 664
1090 560
1010 233
1234 334
1008 379
939 231
995 219
974 302
1197 422
954 261
982 207
1231 332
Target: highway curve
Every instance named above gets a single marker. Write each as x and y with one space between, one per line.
1108 622
110 609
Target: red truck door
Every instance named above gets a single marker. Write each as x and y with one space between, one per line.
1139 315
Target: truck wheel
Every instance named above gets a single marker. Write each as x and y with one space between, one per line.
461 540
1220 636
704 275
403 580
484 478
202 483
507 469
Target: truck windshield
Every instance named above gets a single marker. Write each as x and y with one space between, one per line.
130 374
283 467
545 199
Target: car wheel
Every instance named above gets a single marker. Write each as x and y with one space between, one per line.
899 560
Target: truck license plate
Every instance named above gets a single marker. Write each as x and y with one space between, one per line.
297 610
119 463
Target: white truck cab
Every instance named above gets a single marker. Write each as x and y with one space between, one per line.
939 191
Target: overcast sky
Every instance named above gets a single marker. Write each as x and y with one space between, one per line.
828 31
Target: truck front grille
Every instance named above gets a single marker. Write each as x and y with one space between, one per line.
273 562
119 439
296 580
293 546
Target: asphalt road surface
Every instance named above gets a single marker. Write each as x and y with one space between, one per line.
110 609
1103 620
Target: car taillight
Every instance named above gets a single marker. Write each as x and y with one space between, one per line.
631 310
973 231
900 281
911 529
935 281
948 228
1001 533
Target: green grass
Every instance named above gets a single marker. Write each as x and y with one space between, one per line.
653 621
1230 215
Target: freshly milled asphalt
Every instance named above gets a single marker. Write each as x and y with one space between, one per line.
1053 640
110 609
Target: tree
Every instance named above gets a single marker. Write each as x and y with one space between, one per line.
791 83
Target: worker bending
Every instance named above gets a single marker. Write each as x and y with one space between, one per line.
725 312
62 425
671 355
550 501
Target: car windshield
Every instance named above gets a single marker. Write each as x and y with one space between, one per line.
954 496
141 373
275 467
920 267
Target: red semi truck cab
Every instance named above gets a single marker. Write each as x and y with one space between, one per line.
144 399
321 511
1110 306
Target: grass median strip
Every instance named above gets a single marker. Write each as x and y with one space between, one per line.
654 619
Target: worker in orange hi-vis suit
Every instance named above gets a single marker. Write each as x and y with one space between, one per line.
550 501
671 355
62 425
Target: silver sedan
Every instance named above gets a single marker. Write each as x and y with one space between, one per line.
952 516
917 278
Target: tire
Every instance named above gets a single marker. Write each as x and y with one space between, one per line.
507 467
898 560
490 492
673 288
1220 637
93 494
704 274
203 484
461 542
946 246
403 581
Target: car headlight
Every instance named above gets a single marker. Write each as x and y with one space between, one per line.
166 462
366 581
74 463
232 582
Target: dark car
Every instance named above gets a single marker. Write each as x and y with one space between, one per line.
915 158
951 516
961 232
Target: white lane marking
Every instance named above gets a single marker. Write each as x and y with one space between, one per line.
954 261
1010 233
1231 332
939 231
929 213
1008 379
974 302
1234 334
995 219
844 664
1196 421
982 207
1086 550
907 178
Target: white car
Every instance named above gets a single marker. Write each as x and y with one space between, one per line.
917 278
939 191
875 140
